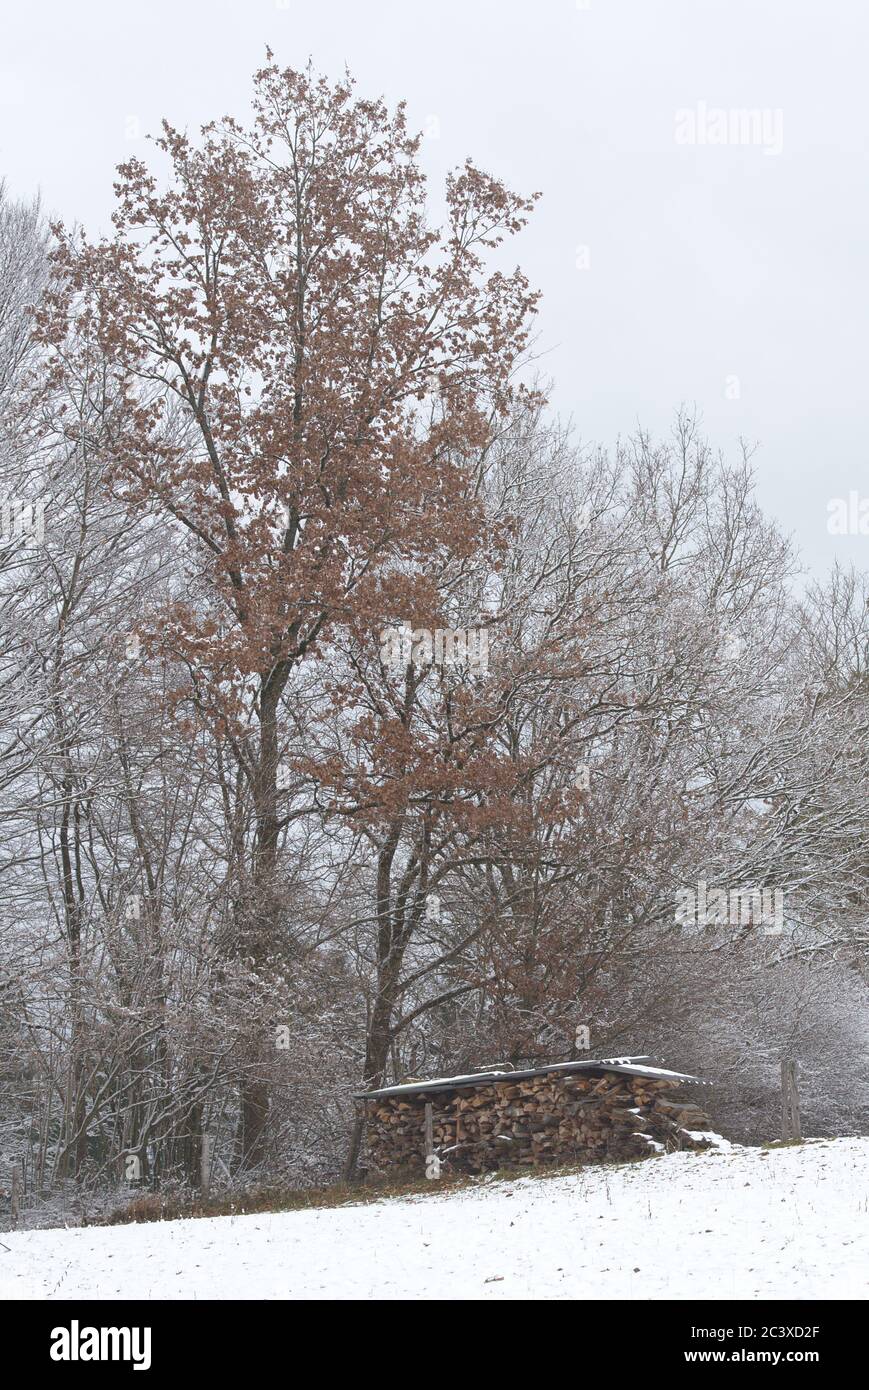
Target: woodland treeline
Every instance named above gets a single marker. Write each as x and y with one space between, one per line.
252 862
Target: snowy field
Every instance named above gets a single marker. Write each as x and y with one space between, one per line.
730 1224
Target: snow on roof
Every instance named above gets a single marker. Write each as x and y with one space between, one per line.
628 1066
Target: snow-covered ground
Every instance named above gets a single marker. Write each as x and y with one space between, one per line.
792 1223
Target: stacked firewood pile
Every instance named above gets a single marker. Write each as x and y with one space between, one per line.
549 1118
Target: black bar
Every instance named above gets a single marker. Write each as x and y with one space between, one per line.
252 1337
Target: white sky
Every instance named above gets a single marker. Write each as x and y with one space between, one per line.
706 262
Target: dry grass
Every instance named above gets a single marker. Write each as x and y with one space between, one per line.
156 1206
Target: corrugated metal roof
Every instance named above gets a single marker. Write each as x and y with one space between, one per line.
627 1066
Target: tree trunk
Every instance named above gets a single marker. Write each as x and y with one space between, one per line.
376 1060
257 937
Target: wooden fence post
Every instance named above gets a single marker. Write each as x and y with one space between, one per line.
795 1104
205 1165
432 1162
15 1204
791 1124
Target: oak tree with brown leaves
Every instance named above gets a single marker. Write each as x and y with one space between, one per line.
306 366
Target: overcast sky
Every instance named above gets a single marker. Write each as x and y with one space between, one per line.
730 272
